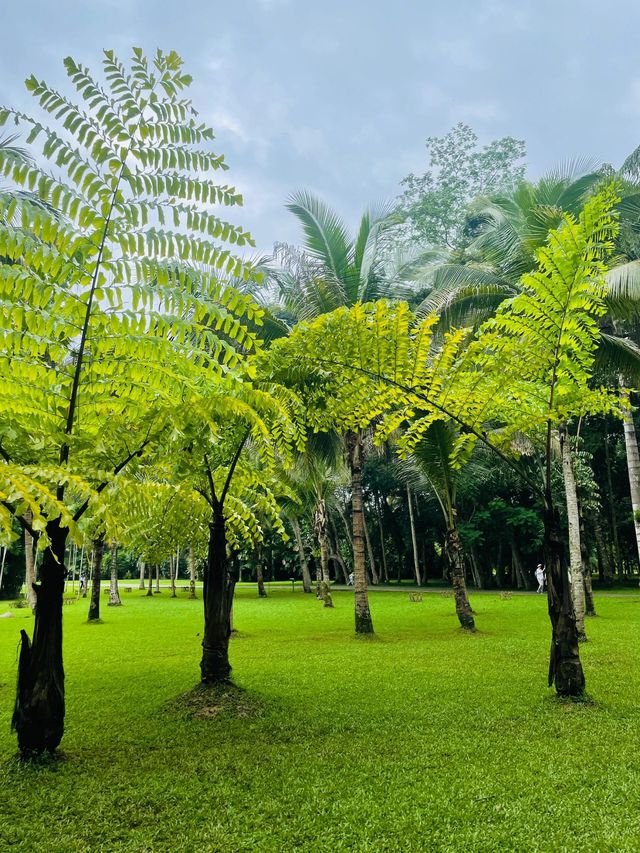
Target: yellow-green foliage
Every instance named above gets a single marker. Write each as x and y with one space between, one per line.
527 367
114 301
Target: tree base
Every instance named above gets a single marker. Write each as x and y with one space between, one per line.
364 623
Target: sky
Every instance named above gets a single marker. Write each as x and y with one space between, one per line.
339 97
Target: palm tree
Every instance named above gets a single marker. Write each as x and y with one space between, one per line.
335 269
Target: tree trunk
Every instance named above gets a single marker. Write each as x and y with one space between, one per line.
375 580
142 568
320 531
453 550
612 510
191 559
173 571
114 595
414 538
150 590
573 517
355 449
217 595
38 715
29 562
157 577
96 574
604 561
565 669
633 462
383 550
475 568
262 592
304 566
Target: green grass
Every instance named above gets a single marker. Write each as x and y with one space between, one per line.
425 739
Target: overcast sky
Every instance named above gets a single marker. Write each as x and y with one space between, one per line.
338 96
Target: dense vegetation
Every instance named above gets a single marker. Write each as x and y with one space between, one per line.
443 396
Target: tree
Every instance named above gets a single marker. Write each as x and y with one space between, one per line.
107 318
527 371
433 205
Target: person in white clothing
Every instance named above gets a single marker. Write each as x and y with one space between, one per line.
540 577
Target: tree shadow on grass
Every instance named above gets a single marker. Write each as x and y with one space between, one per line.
211 701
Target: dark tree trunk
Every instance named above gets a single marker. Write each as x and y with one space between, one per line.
157 577
96 574
38 715
453 549
150 589
364 623
217 595
565 669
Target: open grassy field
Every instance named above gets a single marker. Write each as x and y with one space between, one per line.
422 739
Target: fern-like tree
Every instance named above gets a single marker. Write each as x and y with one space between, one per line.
109 315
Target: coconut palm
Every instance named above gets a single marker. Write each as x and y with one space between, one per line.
335 269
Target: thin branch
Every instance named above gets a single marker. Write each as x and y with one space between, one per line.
212 486
232 467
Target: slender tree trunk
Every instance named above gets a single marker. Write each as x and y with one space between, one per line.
38 715
565 668
612 510
475 568
573 517
29 561
84 574
150 589
173 571
383 550
364 623
142 567
304 566
414 538
191 559
217 595
320 531
157 577
96 574
453 550
604 561
114 595
633 461
375 580
262 592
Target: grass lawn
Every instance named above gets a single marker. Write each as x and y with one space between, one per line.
424 739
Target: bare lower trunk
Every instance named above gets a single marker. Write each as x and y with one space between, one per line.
262 592
633 462
142 568
173 571
157 577
573 517
477 574
325 584
375 580
38 715
612 510
364 623
217 596
604 561
383 550
453 549
150 589
414 538
29 563
565 668
114 594
96 574
191 559
304 566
